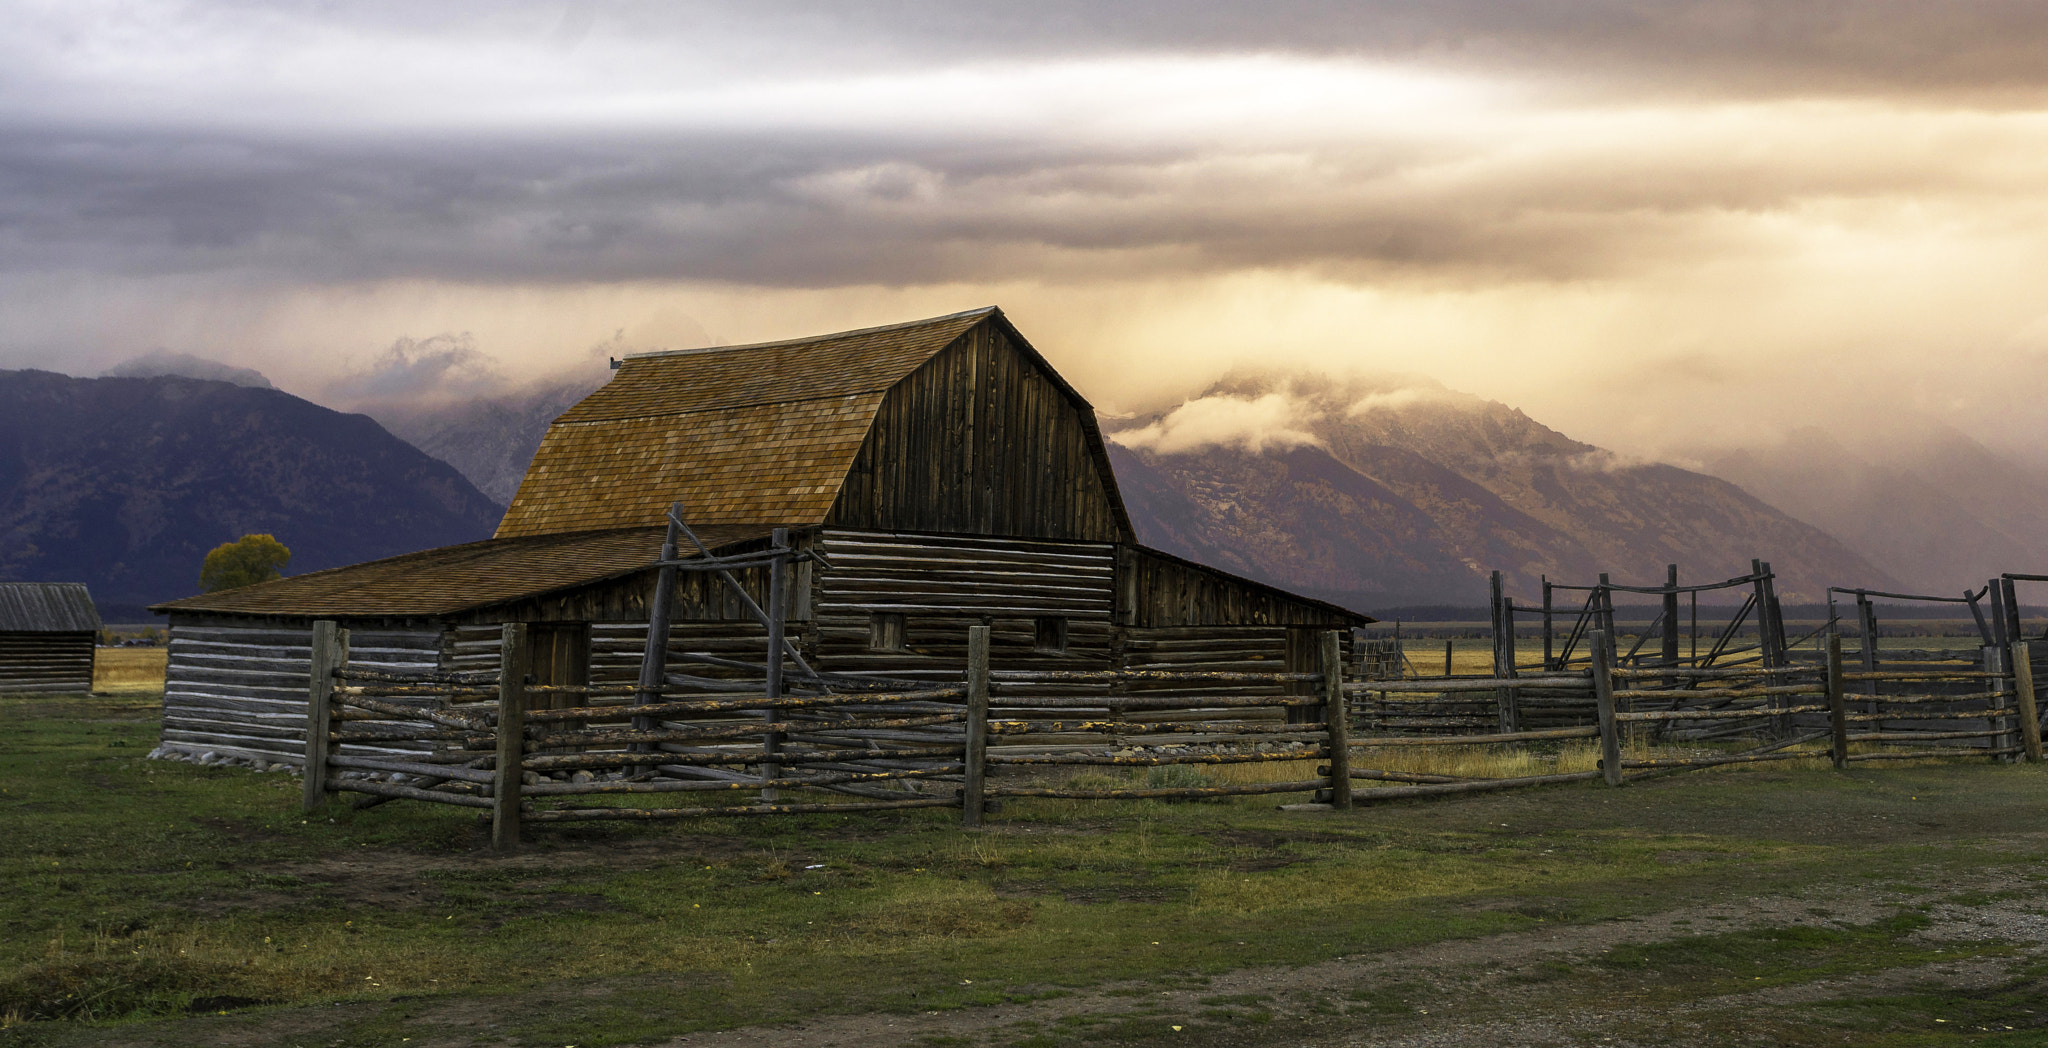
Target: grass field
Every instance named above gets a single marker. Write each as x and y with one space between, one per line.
129 671
150 903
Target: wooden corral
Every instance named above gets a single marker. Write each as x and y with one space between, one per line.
934 476
47 631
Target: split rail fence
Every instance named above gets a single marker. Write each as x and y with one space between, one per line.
492 741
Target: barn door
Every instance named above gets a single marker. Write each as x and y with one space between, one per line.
1302 657
559 653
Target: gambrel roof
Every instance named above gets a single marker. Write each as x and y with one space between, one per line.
751 434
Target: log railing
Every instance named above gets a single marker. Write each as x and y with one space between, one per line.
450 739
1184 718
497 742
1444 711
403 727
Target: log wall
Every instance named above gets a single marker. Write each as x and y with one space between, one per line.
46 661
240 691
941 585
1200 649
616 648
1160 590
239 688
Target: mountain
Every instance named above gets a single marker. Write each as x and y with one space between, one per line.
126 483
1391 491
1939 509
491 440
164 362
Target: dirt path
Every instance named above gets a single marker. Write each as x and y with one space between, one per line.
1501 990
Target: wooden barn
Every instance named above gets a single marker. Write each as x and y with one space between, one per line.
47 630
946 473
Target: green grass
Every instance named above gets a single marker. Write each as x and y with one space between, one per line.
1735 961
150 897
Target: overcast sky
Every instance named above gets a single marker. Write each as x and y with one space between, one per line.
1649 224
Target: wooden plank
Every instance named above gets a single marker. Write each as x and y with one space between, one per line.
1586 732
329 653
1603 694
394 790
1388 793
1337 719
504 802
1993 660
2023 683
1838 711
442 771
976 752
596 814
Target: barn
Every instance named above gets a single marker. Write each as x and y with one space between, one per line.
47 631
943 472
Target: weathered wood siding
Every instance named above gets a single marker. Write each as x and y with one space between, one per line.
1242 649
38 661
240 691
616 648
698 596
942 584
981 441
1155 590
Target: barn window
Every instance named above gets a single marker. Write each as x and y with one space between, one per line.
885 632
1052 636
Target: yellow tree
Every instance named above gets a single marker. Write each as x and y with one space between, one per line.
244 562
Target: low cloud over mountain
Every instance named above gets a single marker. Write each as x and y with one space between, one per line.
1390 491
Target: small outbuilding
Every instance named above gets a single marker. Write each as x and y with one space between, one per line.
47 632
944 473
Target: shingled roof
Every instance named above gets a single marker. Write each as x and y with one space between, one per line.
47 607
746 434
454 579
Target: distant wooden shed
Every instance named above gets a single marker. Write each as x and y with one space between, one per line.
47 633
949 476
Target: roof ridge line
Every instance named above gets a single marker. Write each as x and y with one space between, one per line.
963 314
706 411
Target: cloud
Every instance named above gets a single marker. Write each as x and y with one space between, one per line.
437 368
1395 400
1252 424
1355 143
164 362
1639 219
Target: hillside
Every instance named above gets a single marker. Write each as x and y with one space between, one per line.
491 440
125 483
1940 508
1399 491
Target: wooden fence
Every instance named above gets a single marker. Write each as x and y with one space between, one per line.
1161 718
489 740
1906 710
471 739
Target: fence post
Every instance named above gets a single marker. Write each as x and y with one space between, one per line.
330 652
1866 623
2023 686
778 610
1548 665
1337 719
1507 700
974 762
511 766
1603 694
1838 703
1669 650
1994 662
